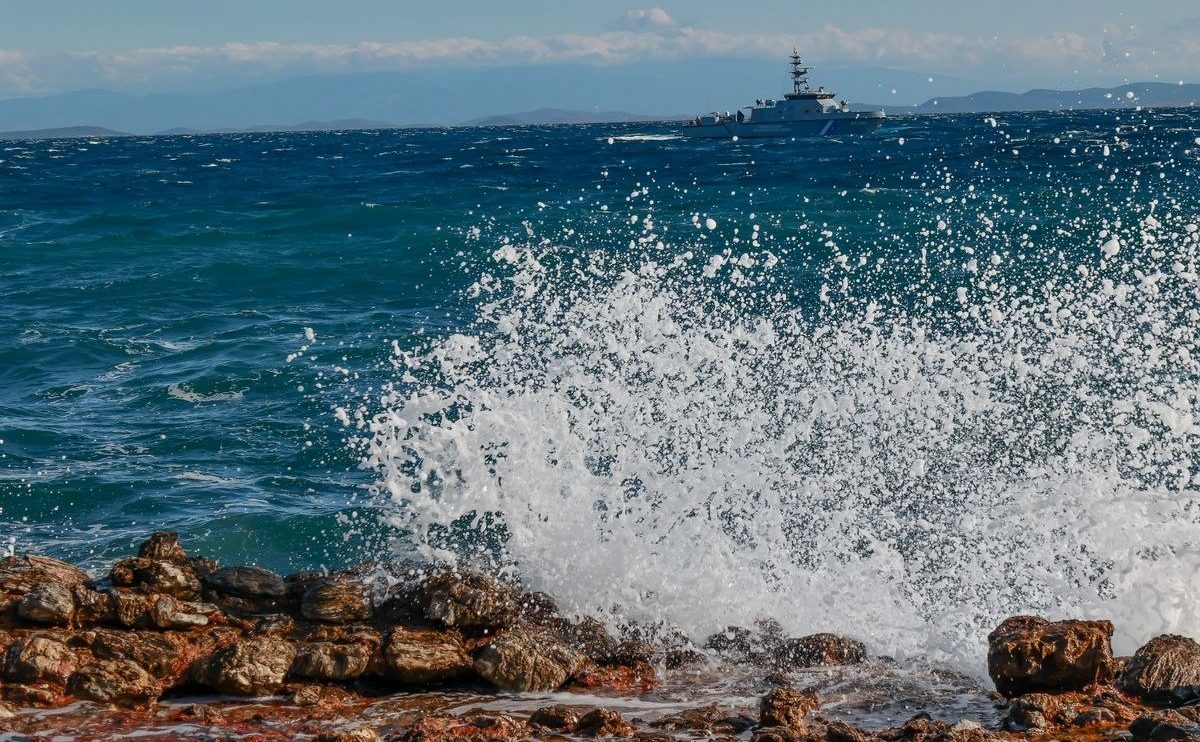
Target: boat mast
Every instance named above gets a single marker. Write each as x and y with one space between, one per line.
799 73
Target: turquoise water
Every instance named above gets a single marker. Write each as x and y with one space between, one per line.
156 368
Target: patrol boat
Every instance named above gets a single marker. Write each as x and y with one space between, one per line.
804 112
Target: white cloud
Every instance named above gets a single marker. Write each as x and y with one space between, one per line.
648 18
642 34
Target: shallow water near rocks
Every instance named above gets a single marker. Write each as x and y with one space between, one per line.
872 697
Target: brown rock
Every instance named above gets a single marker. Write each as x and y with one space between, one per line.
695 719
152 651
50 603
425 655
469 600
821 650
114 681
6 712
1030 712
557 717
251 667
163 546
149 576
31 695
337 599
1165 726
93 607
478 725
247 589
587 636
20 574
326 696
330 661
39 659
603 722
524 659
362 734
1165 671
1027 654
786 707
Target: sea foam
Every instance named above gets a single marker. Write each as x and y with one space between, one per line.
694 435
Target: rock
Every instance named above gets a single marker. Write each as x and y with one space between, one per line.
469 600
134 610
1041 711
425 655
1164 672
160 655
163 546
558 717
695 719
362 734
1164 726
50 603
168 613
587 636
6 712
247 589
31 695
475 726
734 643
39 659
527 660
336 600
251 667
603 722
821 650
149 576
114 681
330 661
840 731
20 574
786 707
1029 712
636 678
1027 654
537 607
93 607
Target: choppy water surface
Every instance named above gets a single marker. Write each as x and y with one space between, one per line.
897 386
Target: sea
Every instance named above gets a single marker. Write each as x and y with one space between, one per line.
898 386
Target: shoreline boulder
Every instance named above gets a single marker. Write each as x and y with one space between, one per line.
1165 671
1027 654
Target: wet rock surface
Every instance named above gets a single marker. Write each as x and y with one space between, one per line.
1165 671
528 660
422 658
1027 654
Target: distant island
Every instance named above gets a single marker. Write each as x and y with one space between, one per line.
1134 95
1140 94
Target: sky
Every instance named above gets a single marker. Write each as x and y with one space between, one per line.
141 46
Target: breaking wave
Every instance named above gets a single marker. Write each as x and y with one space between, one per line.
902 449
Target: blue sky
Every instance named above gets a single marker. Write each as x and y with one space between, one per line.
49 46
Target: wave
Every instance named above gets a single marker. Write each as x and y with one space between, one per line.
187 394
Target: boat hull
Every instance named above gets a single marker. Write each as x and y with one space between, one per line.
818 126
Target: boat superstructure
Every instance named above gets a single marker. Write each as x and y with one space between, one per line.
804 112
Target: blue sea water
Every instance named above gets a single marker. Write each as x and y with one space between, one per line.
180 316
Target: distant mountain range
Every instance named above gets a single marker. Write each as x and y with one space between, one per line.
100 105
1144 94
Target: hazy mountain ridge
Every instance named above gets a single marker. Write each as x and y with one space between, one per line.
1133 95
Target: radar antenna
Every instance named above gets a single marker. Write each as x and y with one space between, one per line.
799 73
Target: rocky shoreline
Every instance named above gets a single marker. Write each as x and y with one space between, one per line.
174 646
